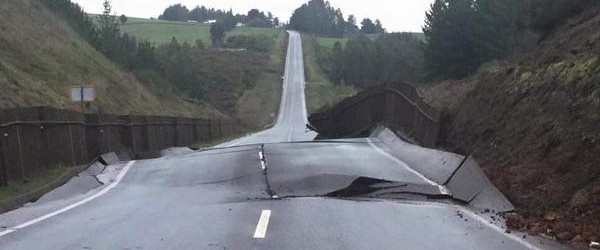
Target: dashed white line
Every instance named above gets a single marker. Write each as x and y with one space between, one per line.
261 158
74 205
442 189
263 223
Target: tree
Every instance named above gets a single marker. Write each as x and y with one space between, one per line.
379 27
217 33
175 12
123 19
368 27
108 31
256 18
318 17
351 29
451 45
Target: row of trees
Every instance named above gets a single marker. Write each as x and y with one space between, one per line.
254 18
319 17
364 62
181 13
463 34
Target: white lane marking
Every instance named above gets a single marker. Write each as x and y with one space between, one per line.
261 157
7 231
263 223
74 205
262 165
442 189
497 228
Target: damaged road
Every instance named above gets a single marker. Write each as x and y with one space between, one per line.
319 195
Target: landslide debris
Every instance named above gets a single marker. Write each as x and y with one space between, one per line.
533 122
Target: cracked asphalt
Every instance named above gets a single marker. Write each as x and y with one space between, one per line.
273 190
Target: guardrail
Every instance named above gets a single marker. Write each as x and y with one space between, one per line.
32 139
398 107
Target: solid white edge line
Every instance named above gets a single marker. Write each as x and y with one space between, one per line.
263 223
442 189
498 229
463 209
74 205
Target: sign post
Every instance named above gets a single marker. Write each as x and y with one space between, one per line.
83 94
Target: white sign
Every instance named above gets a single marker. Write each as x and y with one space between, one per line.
83 93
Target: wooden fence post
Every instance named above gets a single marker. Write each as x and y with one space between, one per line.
195 130
210 133
4 181
132 132
175 132
20 148
72 146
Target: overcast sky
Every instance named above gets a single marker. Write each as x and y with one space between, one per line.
396 15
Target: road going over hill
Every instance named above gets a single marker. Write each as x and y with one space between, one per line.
276 189
292 118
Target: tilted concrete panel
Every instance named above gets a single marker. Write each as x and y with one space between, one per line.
109 158
434 164
462 176
470 184
467 182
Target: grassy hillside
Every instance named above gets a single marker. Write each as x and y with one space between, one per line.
245 84
259 105
329 42
41 57
533 123
320 91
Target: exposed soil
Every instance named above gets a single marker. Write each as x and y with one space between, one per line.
533 122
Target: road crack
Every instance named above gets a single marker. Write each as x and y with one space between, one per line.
265 168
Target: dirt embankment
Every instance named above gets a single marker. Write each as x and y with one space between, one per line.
533 123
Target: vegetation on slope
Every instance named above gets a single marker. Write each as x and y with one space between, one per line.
41 57
320 91
200 73
532 121
462 35
255 74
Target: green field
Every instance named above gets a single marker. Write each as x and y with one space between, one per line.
161 31
329 42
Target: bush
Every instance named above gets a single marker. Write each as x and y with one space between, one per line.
258 43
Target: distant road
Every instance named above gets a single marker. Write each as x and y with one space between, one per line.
292 119
272 190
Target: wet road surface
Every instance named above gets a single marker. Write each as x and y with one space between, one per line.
271 190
